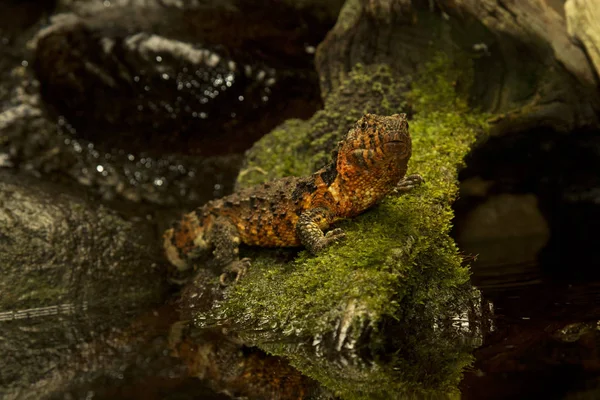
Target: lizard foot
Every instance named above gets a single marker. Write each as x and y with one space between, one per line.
234 271
407 183
334 236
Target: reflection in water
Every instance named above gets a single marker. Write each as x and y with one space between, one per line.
531 219
63 309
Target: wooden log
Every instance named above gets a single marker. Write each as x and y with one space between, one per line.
528 70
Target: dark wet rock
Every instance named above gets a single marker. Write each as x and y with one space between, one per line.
33 142
200 294
16 17
54 243
18 22
199 89
72 271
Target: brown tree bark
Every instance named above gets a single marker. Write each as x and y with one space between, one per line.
583 28
531 67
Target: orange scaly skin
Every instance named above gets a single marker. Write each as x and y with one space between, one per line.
369 164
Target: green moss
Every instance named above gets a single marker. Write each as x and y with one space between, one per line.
397 280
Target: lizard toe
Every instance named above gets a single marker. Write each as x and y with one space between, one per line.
415 179
408 183
233 272
335 235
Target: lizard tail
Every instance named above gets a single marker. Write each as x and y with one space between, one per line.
173 253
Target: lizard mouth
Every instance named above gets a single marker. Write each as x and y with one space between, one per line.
394 142
396 147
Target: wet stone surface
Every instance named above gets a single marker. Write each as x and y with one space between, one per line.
35 143
153 93
152 102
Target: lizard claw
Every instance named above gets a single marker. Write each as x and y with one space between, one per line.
234 271
408 183
335 235
331 237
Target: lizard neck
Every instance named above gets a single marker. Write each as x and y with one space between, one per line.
351 192
361 191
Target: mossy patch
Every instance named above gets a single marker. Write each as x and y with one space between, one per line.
376 315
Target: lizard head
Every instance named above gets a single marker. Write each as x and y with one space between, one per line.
378 145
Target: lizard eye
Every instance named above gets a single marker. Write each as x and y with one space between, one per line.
364 125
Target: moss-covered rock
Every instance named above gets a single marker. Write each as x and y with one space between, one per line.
385 312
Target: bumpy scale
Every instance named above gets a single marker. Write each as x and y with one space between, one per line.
369 164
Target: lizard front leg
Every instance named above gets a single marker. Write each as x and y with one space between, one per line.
226 240
309 229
